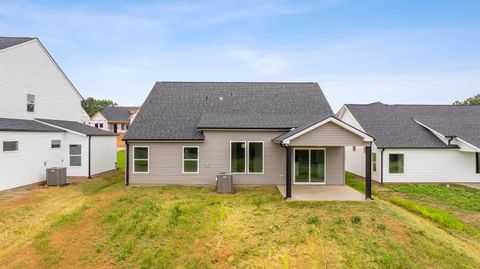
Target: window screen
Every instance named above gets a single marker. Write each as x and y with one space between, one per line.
10 145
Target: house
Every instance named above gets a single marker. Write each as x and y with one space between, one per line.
115 119
41 119
417 143
262 133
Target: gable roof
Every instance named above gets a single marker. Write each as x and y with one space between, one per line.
118 113
176 110
77 127
25 126
6 42
396 126
309 126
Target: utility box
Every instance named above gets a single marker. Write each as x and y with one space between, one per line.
56 176
225 183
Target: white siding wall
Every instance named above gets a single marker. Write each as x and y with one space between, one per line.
104 154
27 165
433 165
27 69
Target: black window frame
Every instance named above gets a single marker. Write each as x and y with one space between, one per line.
477 162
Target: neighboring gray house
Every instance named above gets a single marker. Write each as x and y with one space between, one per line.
417 143
262 133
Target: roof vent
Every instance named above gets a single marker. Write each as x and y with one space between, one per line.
220 98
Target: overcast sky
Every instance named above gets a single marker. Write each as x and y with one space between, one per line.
358 51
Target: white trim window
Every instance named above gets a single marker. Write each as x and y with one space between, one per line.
238 160
30 103
56 144
255 157
10 146
374 162
310 165
396 163
75 152
191 159
141 159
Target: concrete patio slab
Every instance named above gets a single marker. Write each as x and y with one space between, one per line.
322 193
472 185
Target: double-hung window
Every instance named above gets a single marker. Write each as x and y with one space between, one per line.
190 159
374 162
10 145
140 159
246 156
396 163
75 152
30 102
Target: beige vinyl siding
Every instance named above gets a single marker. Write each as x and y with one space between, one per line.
329 134
334 165
165 164
214 157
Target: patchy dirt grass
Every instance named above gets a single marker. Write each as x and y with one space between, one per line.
102 224
454 207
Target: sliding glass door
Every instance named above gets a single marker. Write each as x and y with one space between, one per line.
309 165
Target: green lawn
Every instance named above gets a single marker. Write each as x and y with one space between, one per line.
454 207
103 224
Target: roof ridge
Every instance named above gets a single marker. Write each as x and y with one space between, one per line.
238 82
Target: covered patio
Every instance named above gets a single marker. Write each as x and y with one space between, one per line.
322 193
315 161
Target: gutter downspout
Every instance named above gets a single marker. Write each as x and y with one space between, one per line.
89 156
381 167
127 164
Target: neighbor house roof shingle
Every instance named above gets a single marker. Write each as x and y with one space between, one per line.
77 127
6 42
118 113
175 110
25 126
395 126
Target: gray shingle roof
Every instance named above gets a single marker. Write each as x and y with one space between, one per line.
25 126
175 110
6 42
394 126
465 126
77 127
118 113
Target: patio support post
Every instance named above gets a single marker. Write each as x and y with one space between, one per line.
288 185
368 173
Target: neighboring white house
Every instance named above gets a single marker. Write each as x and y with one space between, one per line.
114 119
416 143
41 119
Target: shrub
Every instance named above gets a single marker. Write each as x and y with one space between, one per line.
356 220
313 220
